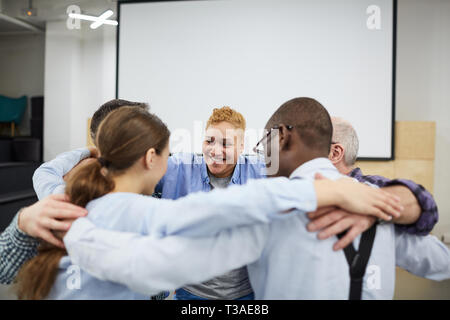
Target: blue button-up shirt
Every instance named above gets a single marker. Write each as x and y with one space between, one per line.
187 173
49 177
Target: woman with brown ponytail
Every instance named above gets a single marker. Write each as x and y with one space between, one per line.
131 141
116 187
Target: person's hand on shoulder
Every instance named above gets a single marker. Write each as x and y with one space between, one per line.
346 205
44 217
357 197
94 154
331 221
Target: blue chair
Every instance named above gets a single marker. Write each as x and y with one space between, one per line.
12 110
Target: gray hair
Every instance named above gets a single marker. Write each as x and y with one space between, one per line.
345 134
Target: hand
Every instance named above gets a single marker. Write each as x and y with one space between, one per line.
333 221
94 154
39 219
363 199
61 234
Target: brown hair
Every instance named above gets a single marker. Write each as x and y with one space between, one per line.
123 138
227 114
107 108
36 277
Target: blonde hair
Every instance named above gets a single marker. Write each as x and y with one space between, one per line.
227 114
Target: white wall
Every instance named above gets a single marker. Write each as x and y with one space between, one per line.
22 69
423 83
423 94
79 77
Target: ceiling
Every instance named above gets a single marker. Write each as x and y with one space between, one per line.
6 26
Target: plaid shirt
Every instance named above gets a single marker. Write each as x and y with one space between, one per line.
429 216
16 247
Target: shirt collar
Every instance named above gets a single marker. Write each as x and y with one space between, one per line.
235 178
309 168
204 171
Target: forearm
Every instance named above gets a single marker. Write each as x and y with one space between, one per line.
261 201
49 177
429 212
15 249
205 214
149 265
327 192
412 210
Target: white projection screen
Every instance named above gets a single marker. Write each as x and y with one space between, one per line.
187 57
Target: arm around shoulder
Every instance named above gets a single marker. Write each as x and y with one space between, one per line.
49 177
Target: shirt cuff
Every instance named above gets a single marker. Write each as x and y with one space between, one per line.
85 153
61 189
20 238
429 213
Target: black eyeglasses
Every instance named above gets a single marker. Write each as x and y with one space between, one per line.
259 148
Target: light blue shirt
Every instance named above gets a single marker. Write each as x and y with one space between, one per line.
294 264
284 260
204 215
186 173
48 178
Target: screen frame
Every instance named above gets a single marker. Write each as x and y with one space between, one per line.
394 67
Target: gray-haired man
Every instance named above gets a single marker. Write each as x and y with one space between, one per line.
415 198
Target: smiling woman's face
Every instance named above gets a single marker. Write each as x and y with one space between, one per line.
221 148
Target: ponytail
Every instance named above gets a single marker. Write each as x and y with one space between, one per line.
123 137
89 182
37 276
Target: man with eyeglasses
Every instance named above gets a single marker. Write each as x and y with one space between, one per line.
416 199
